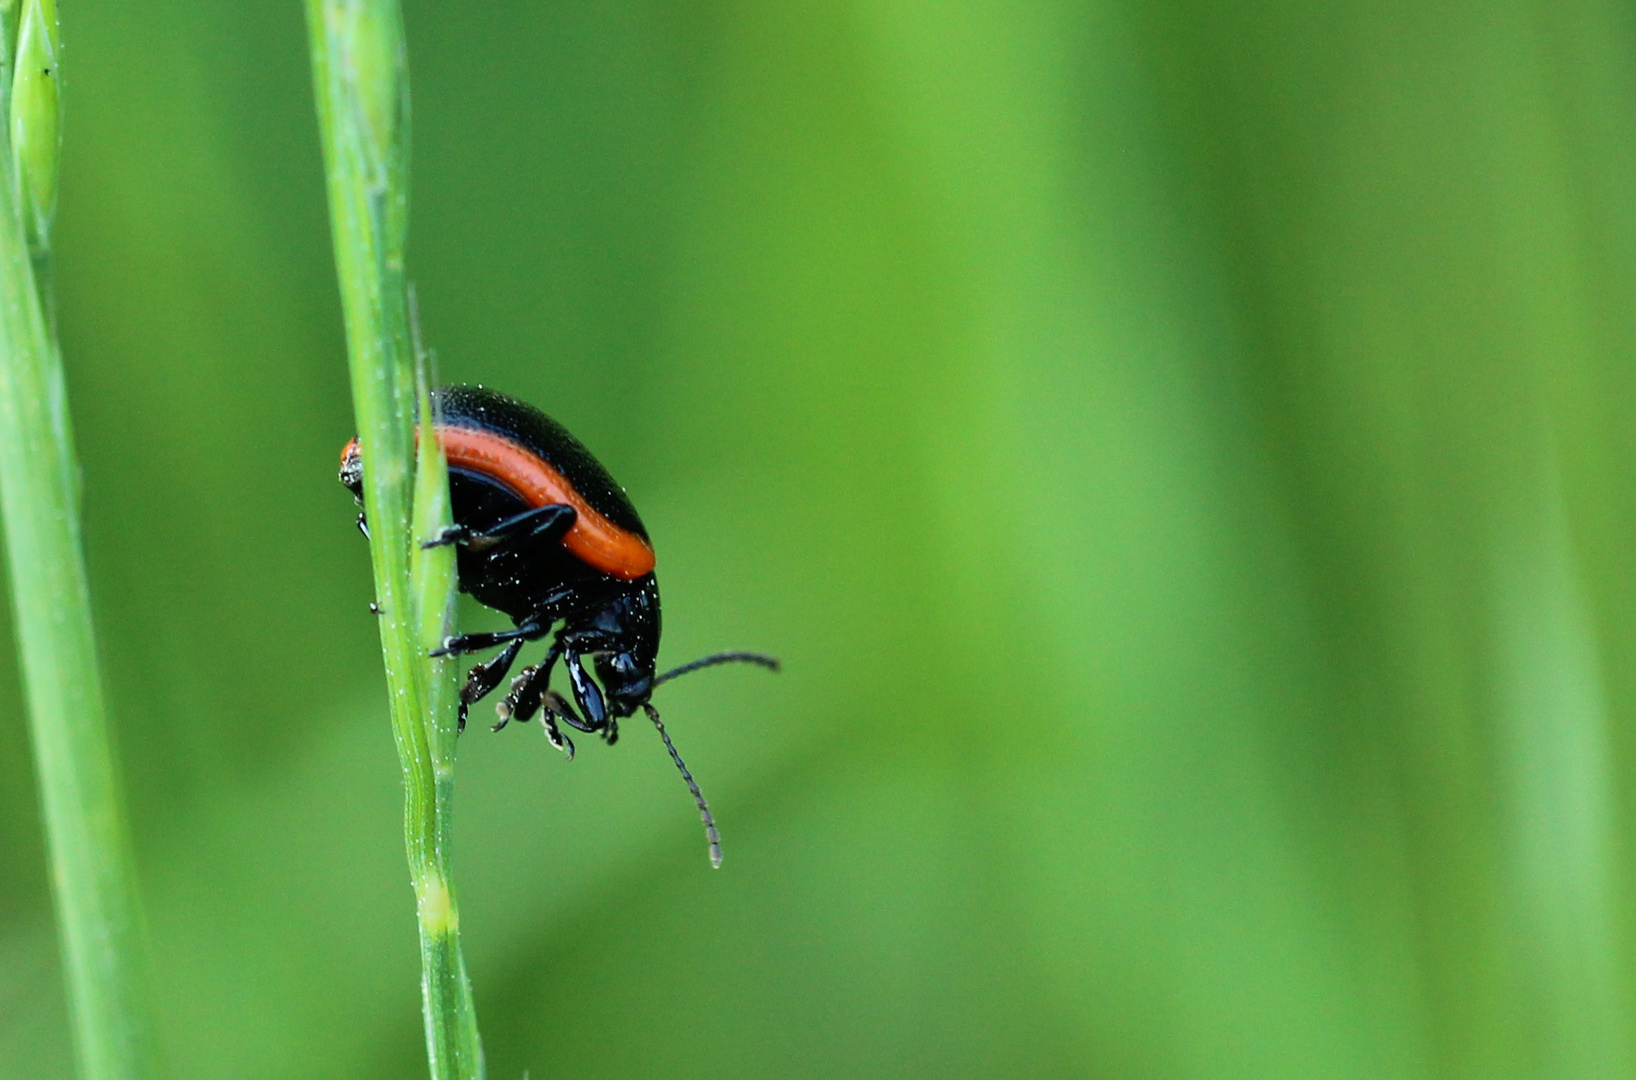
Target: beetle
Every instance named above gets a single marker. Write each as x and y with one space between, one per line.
545 536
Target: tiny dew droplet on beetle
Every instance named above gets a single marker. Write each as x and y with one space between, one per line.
543 534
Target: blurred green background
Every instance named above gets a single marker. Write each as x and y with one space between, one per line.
1181 450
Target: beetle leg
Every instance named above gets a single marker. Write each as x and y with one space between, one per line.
483 678
555 708
539 525
587 693
465 643
563 710
548 720
523 700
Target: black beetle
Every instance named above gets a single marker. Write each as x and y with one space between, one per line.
543 534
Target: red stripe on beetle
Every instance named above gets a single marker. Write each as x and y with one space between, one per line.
594 539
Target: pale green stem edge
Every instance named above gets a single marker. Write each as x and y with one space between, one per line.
93 882
360 79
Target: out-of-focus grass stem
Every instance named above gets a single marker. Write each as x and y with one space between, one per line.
360 75
98 915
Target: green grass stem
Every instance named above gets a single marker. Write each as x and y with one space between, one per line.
360 75
98 916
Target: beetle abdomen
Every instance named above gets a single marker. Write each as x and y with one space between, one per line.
520 423
518 447
594 539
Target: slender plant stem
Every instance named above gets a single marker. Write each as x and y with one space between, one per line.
92 880
360 75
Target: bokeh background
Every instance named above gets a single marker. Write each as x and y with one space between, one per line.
1181 449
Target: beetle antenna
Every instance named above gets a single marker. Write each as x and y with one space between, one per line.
710 832
762 659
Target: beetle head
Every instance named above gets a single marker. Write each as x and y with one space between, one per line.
626 679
